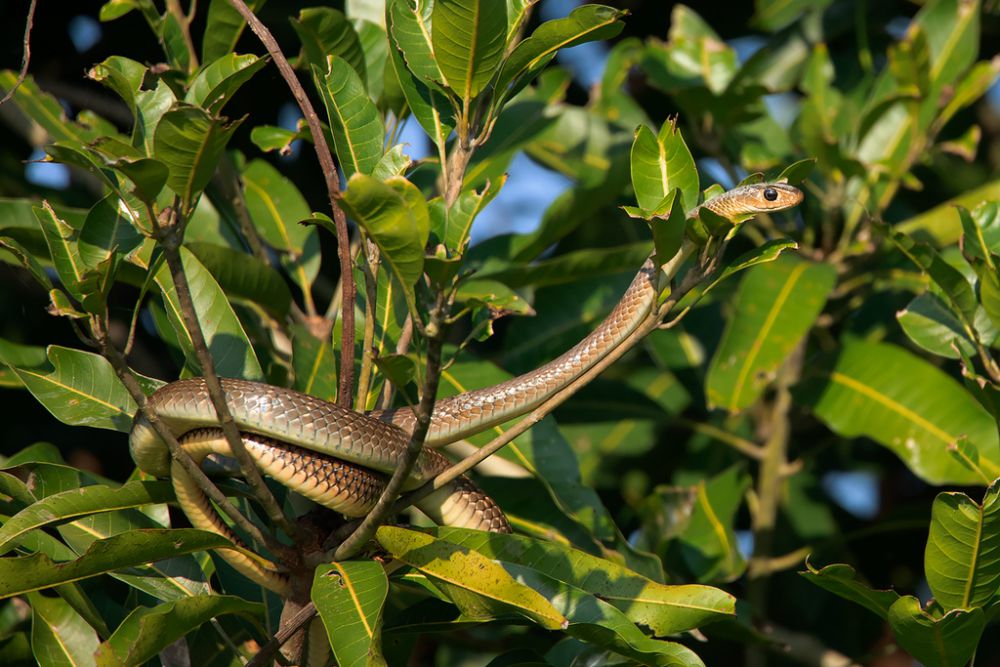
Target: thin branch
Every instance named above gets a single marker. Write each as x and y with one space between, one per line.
370 264
385 506
127 377
287 630
184 21
26 58
455 173
741 445
169 238
346 383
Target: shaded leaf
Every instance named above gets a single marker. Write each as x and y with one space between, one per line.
349 597
936 642
59 635
217 82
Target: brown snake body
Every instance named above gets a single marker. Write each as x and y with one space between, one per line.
340 458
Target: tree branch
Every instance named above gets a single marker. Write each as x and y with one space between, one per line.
26 58
345 389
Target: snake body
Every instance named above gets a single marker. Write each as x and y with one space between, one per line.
340 458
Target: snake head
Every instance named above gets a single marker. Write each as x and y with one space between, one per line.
765 197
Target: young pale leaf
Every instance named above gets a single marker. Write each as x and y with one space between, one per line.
218 81
227 341
138 547
962 559
468 39
394 214
357 130
899 400
459 218
587 23
190 141
661 163
469 571
665 609
936 641
350 597
147 631
776 305
325 31
59 635
80 389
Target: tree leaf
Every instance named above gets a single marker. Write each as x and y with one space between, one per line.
661 163
216 83
138 547
227 341
122 75
324 32
80 389
429 105
459 218
59 635
223 28
349 597
470 571
936 642
314 364
587 23
776 305
902 402
468 40
106 230
357 130
665 609
148 630
929 323
81 502
190 141
62 237
394 214
245 277
962 559
708 543
842 580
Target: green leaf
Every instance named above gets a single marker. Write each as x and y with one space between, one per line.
62 238
842 580
27 260
394 214
665 609
929 323
588 23
962 559
947 641
190 141
773 15
429 106
468 38
45 110
768 252
81 502
216 83
325 31
394 163
357 130
708 543
349 597
314 364
461 215
146 631
148 176
59 635
245 277
661 163
226 339
776 305
105 231
80 389
410 28
272 138
122 75
668 228
223 28
902 402
447 562
138 547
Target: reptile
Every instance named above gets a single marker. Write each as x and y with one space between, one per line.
341 458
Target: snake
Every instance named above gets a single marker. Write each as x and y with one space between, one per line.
341 458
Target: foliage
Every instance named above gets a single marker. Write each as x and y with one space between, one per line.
690 482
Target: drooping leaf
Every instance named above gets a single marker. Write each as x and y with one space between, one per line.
936 641
223 28
842 580
59 635
349 597
245 277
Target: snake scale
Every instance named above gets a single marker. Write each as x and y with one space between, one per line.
341 459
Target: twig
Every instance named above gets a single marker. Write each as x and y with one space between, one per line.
346 382
370 266
26 58
385 505
741 445
285 632
184 21
455 173
124 373
169 237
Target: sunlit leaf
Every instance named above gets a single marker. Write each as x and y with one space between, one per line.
349 597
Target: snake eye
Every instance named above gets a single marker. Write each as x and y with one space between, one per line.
770 194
